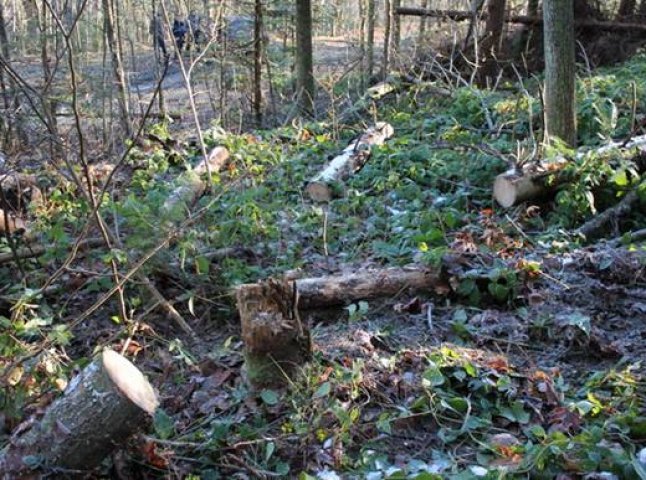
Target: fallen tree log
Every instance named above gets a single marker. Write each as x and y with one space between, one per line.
38 250
593 227
519 185
191 186
462 15
103 406
277 342
322 187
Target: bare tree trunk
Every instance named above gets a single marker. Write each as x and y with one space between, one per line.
257 63
422 24
558 26
642 9
387 17
491 44
370 40
626 9
532 8
395 21
304 62
117 65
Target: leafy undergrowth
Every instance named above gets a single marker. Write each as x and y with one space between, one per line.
528 365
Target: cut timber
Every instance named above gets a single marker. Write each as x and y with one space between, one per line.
516 186
277 344
461 15
10 224
191 186
354 156
103 406
343 289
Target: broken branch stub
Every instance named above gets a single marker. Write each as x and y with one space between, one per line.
321 188
103 406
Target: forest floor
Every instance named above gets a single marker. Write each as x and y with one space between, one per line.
528 362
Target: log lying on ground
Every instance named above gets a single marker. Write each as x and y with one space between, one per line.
517 186
38 250
593 227
191 186
322 187
462 15
277 343
103 406
10 223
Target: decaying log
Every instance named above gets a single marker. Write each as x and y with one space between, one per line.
277 343
103 406
516 186
10 224
593 227
323 186
461 15
191 186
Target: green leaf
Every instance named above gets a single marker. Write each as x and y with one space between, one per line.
578 319
269 397
270 448
433 376
163 424
202 265
323 390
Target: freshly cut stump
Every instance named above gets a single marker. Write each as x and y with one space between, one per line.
277 344
103 406
511 189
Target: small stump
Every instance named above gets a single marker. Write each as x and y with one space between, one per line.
276 342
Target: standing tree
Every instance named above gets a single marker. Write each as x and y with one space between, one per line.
626 9
532 8
304 62
257 63
370 40
492 42
387 17
560 119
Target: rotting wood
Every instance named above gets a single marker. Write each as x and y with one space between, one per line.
104 405
323 186
277 343
593 227
191 186
519 185
461 15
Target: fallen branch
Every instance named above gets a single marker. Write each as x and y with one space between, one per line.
322 187
38 250
593 227
104 405
191 186
461 15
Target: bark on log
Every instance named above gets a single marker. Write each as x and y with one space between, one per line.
593 227
103 406
191 187
461 15
514 187
322 187
277 343
10 224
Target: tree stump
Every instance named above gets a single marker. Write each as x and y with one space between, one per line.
276 342
103 406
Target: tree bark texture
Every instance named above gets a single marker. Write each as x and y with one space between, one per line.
558 28
395 37
304 62
323 186
277 343
103 406
370 40
626 9
490 50
385 68
117 65
257 63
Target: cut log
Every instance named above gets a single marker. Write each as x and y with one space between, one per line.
10 224
191 186
516 186
462 15
277 344
322 187
103 406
